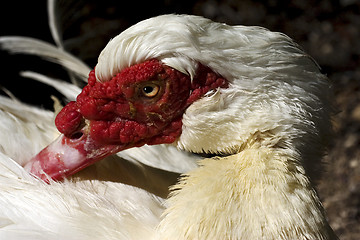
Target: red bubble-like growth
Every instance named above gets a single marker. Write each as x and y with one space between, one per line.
120 111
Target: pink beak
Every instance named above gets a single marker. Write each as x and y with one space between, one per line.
66 156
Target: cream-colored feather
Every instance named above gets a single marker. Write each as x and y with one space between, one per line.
258 193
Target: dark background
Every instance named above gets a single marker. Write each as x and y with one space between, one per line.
328 30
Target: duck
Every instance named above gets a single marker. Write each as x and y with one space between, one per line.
248 102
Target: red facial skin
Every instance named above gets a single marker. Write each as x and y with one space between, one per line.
112 116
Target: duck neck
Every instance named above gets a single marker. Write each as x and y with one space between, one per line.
258 193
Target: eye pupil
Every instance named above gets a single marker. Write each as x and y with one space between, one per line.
148 89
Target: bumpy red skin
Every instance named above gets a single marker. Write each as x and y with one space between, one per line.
115 115
119 112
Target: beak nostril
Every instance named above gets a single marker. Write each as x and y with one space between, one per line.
76 135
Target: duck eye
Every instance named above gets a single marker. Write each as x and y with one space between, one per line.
150 90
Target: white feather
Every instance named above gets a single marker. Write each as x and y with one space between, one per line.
25 126
26 45
54 24
70 91
32 209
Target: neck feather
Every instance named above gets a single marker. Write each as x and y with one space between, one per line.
258 193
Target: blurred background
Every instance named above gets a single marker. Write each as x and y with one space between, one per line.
329 30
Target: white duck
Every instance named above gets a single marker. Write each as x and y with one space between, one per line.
262 111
